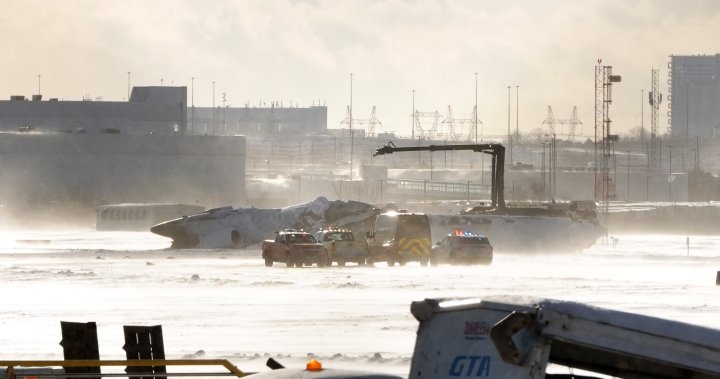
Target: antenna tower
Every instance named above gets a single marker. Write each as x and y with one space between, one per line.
604 140
655 98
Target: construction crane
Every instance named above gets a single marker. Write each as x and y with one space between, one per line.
497 151
371 122
471 122
553 123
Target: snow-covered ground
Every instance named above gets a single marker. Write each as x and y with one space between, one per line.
226 304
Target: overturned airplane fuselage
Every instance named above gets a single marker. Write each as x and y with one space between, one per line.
228 227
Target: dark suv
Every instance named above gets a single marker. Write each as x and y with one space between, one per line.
462 247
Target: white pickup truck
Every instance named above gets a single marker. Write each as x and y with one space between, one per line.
342 247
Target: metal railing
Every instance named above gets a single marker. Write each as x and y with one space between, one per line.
437 187
39 369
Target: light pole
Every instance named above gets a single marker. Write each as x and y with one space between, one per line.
192 102
513 192
508 134
413 116
542 171
476 111
628 175
517 113
39 76
687 114
213 107
687 120
642 115
670 169
468 192
431 166
128 89
224 99
352 135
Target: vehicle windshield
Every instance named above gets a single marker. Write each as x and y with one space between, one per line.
341 236
412 225
301 238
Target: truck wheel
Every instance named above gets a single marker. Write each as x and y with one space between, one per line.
268 262
341 263
423 261
391 262
288 259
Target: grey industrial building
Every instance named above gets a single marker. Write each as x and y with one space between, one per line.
68 157
151 110
694 101
260 122
155 110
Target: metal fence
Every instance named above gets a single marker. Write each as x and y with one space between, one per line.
448 190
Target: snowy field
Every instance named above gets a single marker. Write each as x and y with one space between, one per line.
226 304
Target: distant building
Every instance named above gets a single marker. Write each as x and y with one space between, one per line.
62 159
156 110
150 110
694 101
261 121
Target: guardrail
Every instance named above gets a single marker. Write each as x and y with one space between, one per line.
39 369
403 185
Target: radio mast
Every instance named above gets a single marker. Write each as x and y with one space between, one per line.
604 140
655 98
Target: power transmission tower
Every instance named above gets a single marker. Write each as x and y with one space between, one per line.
372 122
556 127
427 133
453 124
572 123
655 98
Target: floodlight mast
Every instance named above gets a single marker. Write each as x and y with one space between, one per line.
496 150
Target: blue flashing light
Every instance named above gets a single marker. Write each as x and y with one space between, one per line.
465 233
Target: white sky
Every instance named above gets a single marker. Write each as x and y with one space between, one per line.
304 51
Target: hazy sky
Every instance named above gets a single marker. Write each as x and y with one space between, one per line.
304 51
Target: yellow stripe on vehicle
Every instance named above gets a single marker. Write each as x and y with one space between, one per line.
416 246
